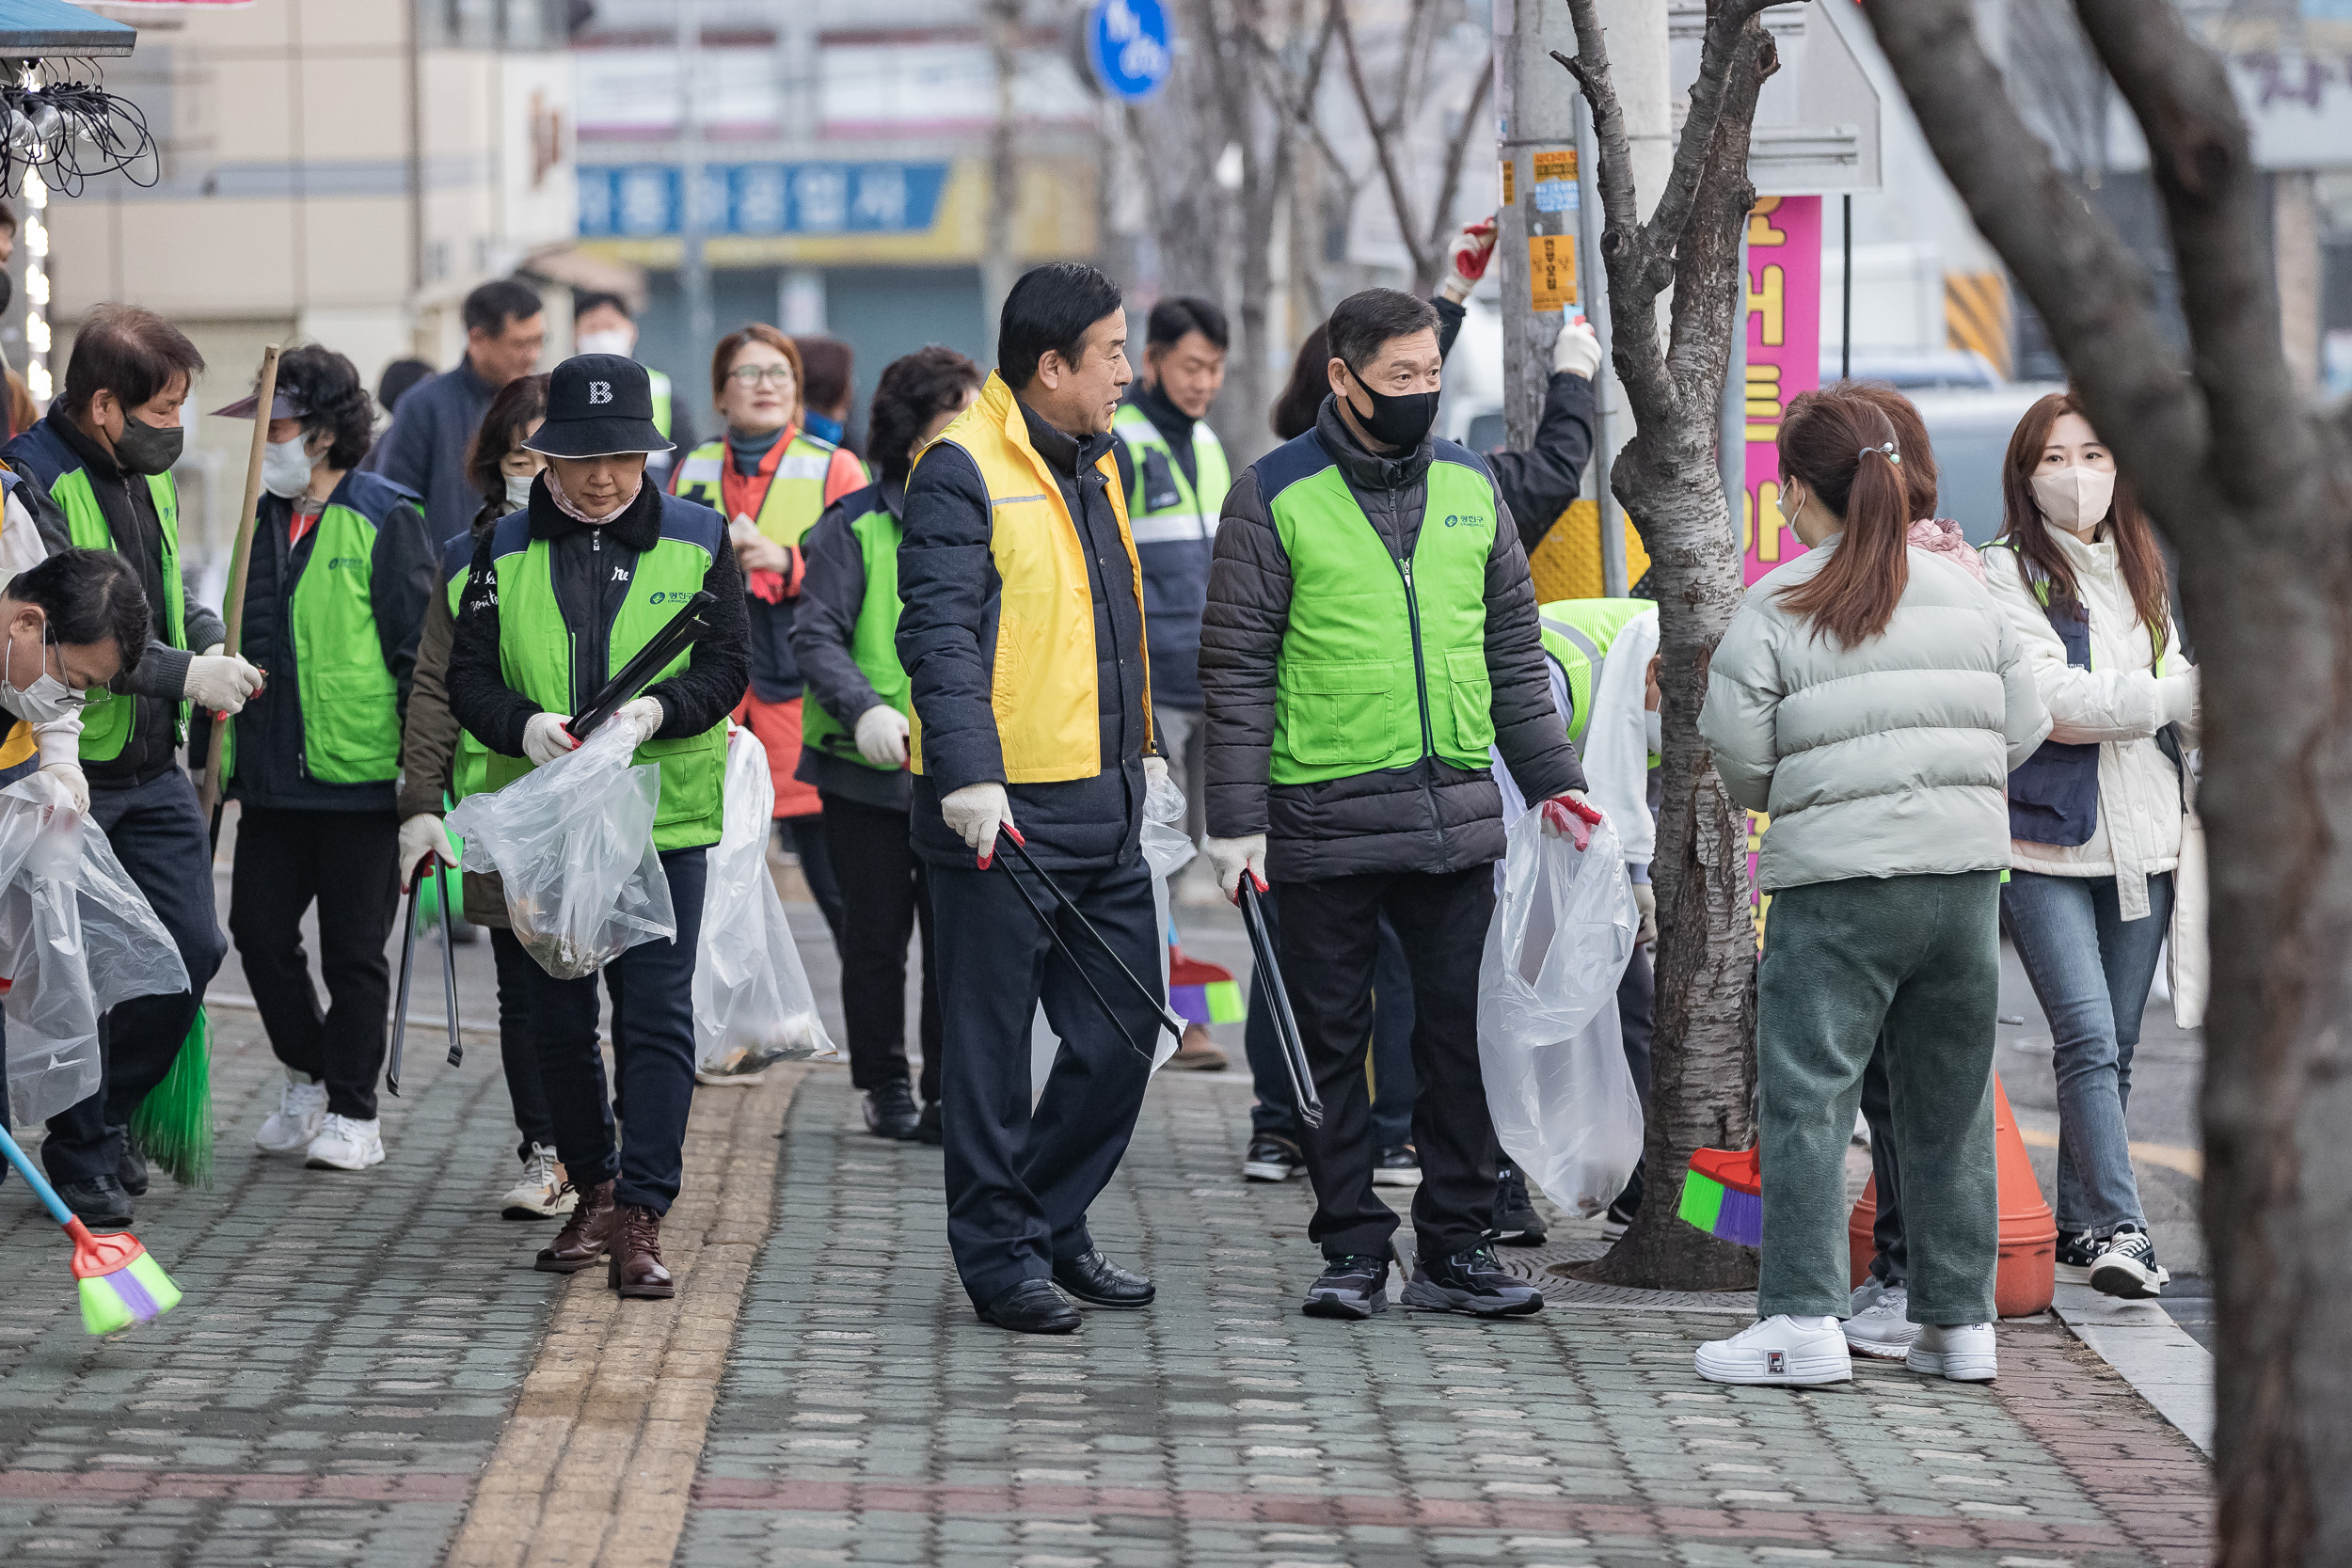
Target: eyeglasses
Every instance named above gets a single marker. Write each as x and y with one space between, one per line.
751 376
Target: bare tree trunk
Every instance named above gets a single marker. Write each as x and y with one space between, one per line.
2253 485
1426 237
1703 1057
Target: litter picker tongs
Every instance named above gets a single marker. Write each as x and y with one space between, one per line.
433 871
1167 1018
684 628
1279 997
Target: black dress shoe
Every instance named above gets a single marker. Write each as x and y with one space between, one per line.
890 1111
99 1203
1099 1282
929 1129
132 1171
1032 1306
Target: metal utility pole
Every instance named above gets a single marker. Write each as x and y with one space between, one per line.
694 272
998 265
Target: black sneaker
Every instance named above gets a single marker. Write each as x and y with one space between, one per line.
1517 1224
2076 1253
1272 1159
2126 1266
1352 1287
928 1129
99 1203
890 1112
1472 1282
132 1169
1618 1218
1398 1165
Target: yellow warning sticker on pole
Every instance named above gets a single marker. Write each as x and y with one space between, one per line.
1509 165
1552 271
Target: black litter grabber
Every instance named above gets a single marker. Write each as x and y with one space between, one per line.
1277 996
683 629
400 997
449 964
1053 933
1167 1019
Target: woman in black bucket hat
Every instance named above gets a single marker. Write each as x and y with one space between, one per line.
561 595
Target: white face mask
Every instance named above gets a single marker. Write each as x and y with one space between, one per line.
518 489
46 701
612 339
1654 731
285 468
2073 498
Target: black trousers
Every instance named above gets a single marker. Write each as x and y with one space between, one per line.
885 893
809 842
517 1058
166 846
653 1047
1329 944
348 863
1392 1084
1019 1181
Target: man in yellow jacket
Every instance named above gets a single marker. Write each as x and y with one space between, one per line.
1023 636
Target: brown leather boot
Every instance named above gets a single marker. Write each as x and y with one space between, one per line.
586 1235
637 1271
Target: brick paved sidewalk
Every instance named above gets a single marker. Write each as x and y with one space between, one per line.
367 1372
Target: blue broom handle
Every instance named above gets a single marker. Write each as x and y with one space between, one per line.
33 1179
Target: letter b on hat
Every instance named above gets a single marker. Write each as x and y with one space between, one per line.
599 391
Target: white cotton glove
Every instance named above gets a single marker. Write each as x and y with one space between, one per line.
1466 262
1645 901
2178 695
1575 351
974 813
221 682
1229 857
644 714
882 735
421 837
1571 816
545 738
68 777
1154 774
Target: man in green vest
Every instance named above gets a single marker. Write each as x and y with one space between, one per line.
559 596
96 474
337 581
1371 631
1174 471
603 324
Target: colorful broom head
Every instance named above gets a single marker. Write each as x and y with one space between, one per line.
1723 1195
174 1123
122 1283
1202 992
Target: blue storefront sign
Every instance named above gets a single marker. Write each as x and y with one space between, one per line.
1127 45
634 200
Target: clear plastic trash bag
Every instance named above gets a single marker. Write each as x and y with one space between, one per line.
572 843
1166 846
752 1004
76 938
1557 1086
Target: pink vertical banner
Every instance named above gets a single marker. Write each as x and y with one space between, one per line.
1784 359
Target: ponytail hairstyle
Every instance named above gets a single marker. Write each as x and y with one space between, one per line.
1920 475
1841 446
2040 557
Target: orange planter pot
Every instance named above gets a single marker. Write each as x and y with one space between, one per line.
2027 1274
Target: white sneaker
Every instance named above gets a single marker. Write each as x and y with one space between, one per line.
1878 1327
1781 1350
1962 1354
301 1105
346 1143
539 1193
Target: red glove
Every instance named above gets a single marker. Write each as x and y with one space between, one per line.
1467 258
1566 817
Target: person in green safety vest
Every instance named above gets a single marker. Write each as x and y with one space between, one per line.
854 748
1371 631
559 596
96 473
604 323
337 580
771 479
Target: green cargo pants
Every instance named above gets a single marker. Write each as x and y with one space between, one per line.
1920 957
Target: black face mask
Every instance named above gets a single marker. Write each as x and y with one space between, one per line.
1401 419
146 449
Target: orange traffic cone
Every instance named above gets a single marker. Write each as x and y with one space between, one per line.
2027 1274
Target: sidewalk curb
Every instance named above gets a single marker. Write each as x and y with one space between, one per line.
2149 1351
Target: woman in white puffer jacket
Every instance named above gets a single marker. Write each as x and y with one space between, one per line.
2096 815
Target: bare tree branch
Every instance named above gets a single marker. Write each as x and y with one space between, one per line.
1382 132
1449 179
1707 246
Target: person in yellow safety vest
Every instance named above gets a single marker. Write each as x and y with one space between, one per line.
1173 470
560 597
1023 640
845 638
604 323
97 473
772 480
337 579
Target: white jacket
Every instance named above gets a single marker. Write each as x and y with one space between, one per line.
1890 759
2119 704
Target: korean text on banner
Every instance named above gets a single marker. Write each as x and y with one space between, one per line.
1784 314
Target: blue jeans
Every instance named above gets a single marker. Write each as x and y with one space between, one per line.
2090 971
